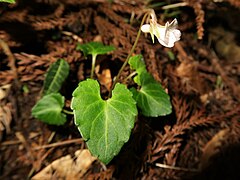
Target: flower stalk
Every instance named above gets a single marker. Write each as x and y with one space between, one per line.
128 57
167 35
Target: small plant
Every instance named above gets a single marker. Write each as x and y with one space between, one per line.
49 108
106 125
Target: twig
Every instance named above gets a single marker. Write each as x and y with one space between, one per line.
11 58
181 51
175 168
14 142
59 143
7 143
51 137
26 145
42 158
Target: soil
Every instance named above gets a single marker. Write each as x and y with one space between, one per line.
200 139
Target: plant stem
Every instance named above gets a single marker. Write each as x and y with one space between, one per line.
129 55
94 56
130 76
67 112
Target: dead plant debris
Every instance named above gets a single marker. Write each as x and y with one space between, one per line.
199 140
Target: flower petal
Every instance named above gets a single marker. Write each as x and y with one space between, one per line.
173 24
167 35
162 42
177 34
145 28
171 37
160 31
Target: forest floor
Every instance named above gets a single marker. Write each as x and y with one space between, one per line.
200 139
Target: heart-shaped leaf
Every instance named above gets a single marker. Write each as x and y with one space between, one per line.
56 75
49 109
94 48
105 124
151 97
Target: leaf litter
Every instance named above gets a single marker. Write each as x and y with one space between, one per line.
203 130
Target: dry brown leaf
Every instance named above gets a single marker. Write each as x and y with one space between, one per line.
67 167
211 148
5 111
5 119
104 77
4 91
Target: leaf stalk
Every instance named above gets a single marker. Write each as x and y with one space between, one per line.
67 112
94 56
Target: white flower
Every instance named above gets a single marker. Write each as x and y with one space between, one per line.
167 35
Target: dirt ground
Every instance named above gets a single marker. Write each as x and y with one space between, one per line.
200 139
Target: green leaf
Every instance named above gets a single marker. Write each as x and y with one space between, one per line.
105 124
56 75
136 62
151 98
8 1
171 55
49 109
94 48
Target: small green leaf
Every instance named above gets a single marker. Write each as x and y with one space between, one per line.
8 1
94 48
56 75
25 89
151 97
137 63
105 124
219 83
49 109
171 55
